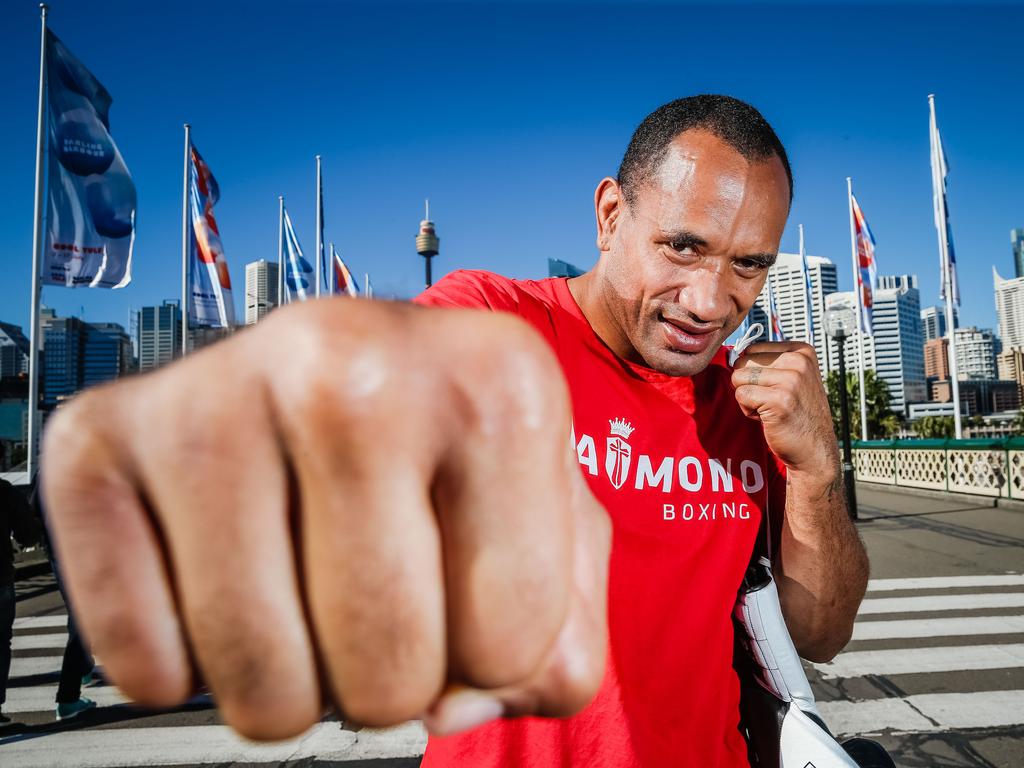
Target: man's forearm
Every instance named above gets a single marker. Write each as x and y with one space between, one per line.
822 567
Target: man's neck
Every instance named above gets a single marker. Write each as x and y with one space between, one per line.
588 291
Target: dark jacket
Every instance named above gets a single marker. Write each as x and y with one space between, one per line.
17 520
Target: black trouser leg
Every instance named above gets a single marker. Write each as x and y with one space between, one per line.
6 632
77 662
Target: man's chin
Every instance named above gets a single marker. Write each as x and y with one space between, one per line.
674 363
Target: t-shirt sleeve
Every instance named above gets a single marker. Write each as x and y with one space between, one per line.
474 290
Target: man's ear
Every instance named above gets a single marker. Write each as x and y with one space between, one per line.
608 204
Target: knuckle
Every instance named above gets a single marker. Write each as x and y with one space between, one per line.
385 700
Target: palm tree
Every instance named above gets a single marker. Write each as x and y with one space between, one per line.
934 426
882 420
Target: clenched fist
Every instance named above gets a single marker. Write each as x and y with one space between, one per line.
355 503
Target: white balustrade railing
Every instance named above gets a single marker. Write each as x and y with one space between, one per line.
981 467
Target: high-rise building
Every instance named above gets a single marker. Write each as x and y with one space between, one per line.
1009 296
786 278
204 335
933 321
976 350
896 350
559 268
14 349
261 282
936 359
1010 365
77 354
159 339
1017 244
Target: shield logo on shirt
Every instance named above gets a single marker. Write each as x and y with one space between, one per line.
616 460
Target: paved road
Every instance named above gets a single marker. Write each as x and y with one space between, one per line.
934 669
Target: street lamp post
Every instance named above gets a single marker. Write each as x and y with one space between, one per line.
838 322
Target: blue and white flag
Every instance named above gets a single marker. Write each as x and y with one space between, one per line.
296 269
940 202
210 302
808 290
90 207
774 321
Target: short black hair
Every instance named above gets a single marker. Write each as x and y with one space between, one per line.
733 121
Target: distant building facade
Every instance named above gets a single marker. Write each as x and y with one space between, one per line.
1017 245
559 268
77 355
261 284
786 279
1009 295
14 351
159 335
896 349
976 350
933 322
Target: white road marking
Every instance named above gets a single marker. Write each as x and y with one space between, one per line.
113 748
903 661
40 698
927 712
40 622
35 642
963 625
941 603
34 665
947 582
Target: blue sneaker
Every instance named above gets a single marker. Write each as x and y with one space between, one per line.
75 708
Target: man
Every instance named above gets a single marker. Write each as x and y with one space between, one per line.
17 522
380 497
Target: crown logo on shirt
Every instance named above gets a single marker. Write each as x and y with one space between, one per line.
621 427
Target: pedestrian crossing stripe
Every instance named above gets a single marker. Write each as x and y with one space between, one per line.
947 582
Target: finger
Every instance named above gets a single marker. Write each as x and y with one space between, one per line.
769 403
572 671
778 347
363 450
763 376
110 556
226 519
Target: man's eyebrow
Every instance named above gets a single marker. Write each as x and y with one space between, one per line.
684 238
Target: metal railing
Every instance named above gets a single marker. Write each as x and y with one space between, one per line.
984 467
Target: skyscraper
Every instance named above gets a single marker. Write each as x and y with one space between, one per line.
933 321
77 354
1017 244
976 350
14 348
159 338
260 289
1010 310
786 278
559 268
896 350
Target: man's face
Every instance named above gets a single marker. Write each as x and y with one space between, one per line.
684 262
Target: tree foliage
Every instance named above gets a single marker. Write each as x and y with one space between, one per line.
883 422
935 426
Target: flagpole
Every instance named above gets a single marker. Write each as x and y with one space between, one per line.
319 227
184 242
860 314
37 247
807 295
769 313
331 276
941 228
280 250
367 290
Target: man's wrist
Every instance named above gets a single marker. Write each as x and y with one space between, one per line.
818 483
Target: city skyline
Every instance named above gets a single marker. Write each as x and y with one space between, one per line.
518 144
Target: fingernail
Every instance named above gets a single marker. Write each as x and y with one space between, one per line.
462 711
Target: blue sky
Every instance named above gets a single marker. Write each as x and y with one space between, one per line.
507 116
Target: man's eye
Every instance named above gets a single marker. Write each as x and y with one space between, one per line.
750 265
683 248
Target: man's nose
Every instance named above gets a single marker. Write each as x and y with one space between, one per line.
706 297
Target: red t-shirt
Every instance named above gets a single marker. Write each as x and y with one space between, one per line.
684 477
